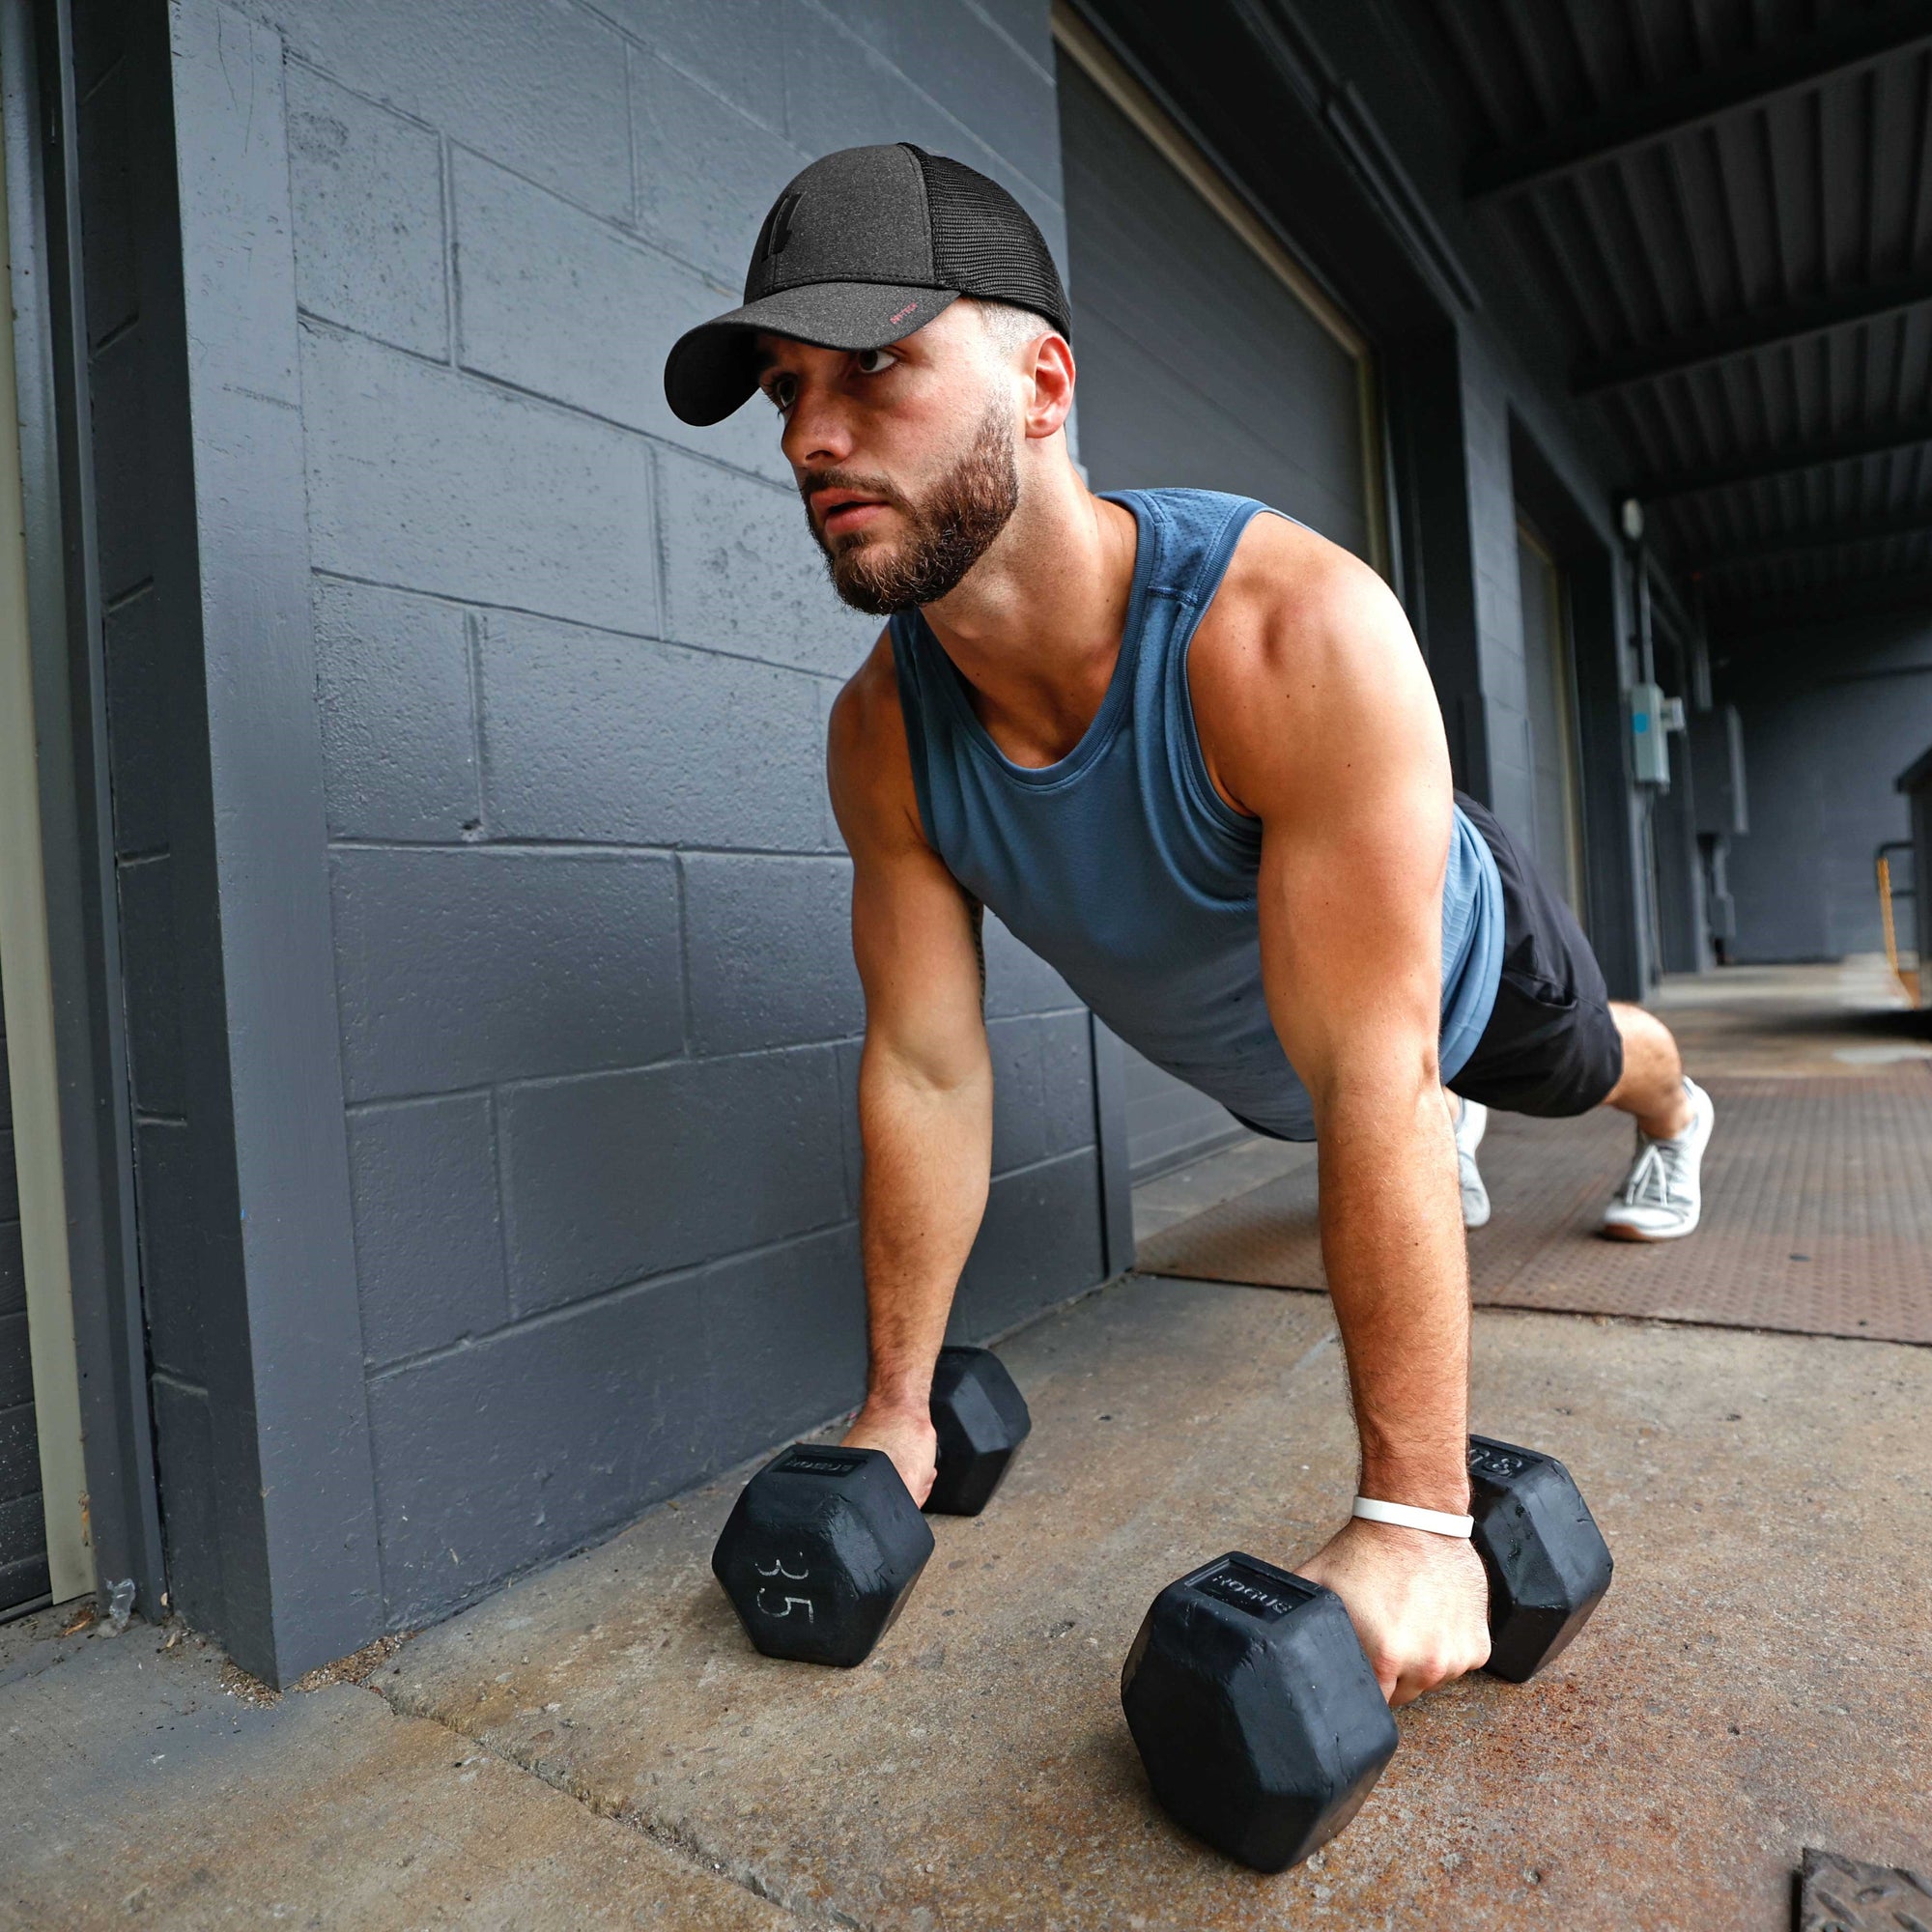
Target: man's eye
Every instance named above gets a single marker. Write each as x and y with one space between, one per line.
782 391
874 362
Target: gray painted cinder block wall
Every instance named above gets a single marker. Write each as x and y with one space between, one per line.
562 668
1830 718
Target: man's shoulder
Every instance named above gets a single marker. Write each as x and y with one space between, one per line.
869 761
1291 595
868 701
1301 671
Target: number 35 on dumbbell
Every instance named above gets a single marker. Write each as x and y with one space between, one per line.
1254 1707
821 1551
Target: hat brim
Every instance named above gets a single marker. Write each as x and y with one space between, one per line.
712 369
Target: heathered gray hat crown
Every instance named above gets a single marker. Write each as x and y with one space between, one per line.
862 247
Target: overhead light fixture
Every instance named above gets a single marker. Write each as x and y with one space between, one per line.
1629 514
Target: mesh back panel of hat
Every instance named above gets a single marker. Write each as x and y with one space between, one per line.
985 243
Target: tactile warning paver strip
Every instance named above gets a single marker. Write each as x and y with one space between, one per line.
1817 1218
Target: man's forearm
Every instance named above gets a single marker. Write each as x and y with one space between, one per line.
1397 1261
928 1154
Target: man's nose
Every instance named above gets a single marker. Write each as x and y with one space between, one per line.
816 433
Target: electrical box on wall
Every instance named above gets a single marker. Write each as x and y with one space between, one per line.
1650 747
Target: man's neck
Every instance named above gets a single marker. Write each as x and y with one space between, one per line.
1034 627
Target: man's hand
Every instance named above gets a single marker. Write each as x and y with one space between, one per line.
908 1437
1419 1603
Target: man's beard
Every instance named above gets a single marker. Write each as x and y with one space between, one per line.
946 534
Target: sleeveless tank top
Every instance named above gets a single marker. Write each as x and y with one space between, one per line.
1123 867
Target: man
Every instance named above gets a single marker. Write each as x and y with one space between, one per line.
1188 750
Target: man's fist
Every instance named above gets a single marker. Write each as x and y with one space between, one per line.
908 1437
1420 1603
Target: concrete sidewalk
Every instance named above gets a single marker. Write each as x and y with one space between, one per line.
598 1745
143 1780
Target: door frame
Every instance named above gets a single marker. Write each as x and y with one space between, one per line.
85 1014
26 978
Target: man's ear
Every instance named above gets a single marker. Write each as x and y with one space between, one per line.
1051 400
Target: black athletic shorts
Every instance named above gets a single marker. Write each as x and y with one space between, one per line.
1551 1046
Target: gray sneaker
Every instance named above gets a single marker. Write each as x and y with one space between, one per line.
1470 1124
1662 1195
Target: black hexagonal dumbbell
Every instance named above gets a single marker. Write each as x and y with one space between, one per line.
822 1548
820 1552
1255 1714
981 1419
1547 1561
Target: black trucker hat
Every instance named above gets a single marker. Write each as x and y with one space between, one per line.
865 247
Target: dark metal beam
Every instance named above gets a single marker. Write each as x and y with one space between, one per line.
1748 334
1817 536
1842 446
1789 67
1758 619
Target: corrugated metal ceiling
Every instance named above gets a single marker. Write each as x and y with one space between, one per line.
1729 206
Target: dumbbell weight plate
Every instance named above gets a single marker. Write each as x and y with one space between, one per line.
820 1552
1255 1712
981 1419
1548 1562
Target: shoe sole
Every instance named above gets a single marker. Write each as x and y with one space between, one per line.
1611 1232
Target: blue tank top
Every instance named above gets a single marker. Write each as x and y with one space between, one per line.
1122 866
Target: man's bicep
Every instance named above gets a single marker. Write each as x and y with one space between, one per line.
1354 849
915 938
1352 940
914 935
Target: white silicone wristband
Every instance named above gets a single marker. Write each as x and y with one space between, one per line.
1438 1522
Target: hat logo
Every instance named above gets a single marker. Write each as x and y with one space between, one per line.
781 229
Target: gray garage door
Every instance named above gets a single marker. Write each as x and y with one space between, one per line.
1198 365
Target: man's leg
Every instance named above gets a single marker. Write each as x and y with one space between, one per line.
1651 1087
1557 1044
1662 1195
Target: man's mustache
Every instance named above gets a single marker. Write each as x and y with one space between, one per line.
851 479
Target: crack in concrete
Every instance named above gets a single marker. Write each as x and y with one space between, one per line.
678 1841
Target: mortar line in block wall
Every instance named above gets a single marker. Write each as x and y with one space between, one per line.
671 1277
428 1095
670 644
474 624
1000 164
660 537
587 848
565 1311
631 127
452 307
999 32
501 1175
122 598
684 1013
645 240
